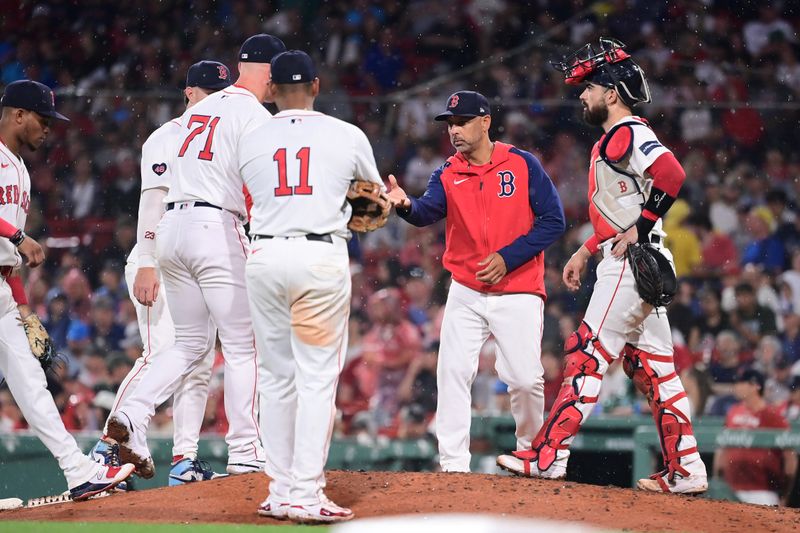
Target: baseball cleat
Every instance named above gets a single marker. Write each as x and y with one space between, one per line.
106 478
659 482
107 453
270 509
324 512
235 469
189 470
120 430
527 468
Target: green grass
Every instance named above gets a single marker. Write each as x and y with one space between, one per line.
105 527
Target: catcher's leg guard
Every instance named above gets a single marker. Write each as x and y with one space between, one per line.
586 362
655 376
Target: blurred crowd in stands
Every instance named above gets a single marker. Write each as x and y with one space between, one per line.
725 79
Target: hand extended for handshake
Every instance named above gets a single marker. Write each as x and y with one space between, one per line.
494 266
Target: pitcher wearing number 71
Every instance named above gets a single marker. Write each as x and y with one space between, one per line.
202 248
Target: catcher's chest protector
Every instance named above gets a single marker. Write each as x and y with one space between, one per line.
617 192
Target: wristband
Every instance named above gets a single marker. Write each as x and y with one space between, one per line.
17 238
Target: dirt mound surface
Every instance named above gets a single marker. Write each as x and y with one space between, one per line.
372 494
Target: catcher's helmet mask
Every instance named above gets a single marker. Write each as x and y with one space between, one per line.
609 66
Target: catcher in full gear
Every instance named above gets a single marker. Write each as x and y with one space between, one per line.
633 181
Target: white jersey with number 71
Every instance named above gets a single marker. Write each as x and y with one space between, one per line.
207 165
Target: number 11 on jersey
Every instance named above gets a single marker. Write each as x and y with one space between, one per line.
283 188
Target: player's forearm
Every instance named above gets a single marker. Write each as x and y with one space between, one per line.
10 231
17 290
590 247
668 177
151 208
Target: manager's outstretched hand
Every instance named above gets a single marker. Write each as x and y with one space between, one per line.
397 196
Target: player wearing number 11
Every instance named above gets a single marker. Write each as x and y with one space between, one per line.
298 168
202 248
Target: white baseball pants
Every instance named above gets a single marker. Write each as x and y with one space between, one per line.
516 322
299 294
618 316
28 386
158 334
202 253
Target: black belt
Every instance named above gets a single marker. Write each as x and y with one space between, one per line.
308 236
171 205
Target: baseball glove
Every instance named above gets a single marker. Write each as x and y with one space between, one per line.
42 346
655 279
370 206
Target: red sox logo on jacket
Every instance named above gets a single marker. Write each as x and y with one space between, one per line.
10 195
507 186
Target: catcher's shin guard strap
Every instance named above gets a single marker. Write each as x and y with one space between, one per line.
672 424
585 363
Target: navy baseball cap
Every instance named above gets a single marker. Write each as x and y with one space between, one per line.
293 66
261 48
465 104
208 75
33 96
751 375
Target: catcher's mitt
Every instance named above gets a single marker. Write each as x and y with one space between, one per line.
655 279
370 206
42 346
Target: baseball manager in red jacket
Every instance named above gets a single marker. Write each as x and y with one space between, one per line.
502 211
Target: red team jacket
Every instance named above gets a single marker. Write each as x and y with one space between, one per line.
508 205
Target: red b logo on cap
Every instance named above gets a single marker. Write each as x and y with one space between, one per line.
453 101
223 72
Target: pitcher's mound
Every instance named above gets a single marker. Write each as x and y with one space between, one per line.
374 494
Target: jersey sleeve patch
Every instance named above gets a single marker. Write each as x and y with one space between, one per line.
619 144
649 146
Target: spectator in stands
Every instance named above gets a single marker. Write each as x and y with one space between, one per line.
84 190
791 407
711 321
105 331
760 476
57 321
418 169
790 338
418 289
765 248
390 345
681 240
749 319
111 285
94 369
761 35
718 251
418 394
122 197
723 371
79 339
